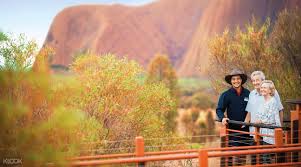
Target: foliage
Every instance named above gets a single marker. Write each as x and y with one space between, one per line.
210 124
36 123
250 50
286 37
111 94
18 53
197 123
3 36
189 85
161 71
199 99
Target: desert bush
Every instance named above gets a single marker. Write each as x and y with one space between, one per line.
113 95
160 70
37 123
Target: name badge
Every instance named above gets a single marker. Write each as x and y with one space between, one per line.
246 99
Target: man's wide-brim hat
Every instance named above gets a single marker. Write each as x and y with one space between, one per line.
236 72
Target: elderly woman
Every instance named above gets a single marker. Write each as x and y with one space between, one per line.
268 114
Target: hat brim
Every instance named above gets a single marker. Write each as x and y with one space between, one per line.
244 78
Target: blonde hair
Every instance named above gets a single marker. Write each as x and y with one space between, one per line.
271 86
259 73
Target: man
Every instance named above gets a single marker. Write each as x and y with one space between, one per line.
256 100
234 102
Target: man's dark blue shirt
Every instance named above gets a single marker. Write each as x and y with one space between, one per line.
234 104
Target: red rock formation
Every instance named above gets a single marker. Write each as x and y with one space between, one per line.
139 33
221 14
178 28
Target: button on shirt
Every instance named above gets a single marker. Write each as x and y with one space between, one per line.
256 101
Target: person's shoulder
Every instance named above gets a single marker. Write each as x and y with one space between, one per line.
253 92
227 90
254 96
273 100
226 93
276 95
245 90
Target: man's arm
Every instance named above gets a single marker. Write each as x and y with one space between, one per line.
281 117
221 108
248 118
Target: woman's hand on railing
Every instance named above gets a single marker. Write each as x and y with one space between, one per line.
258 122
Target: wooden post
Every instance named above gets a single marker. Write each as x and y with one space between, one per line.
257 141
298 110
203 158
295 126
140 149
224 143
288 155
278 137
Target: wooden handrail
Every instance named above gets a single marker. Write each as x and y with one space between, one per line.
247 133
257 125
182 156
276 165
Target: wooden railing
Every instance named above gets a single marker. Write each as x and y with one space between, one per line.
289 143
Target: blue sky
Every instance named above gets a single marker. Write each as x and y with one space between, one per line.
33 17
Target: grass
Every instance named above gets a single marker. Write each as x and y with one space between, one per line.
193 83
184 83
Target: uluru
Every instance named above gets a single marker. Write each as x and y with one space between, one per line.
179 28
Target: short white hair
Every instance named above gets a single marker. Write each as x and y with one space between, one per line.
271 86
259 73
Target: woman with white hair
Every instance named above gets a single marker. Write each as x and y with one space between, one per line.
268 114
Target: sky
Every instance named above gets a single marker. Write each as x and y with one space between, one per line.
34 17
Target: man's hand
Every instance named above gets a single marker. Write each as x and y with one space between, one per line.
224 121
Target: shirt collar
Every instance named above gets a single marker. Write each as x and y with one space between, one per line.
257 93
234 90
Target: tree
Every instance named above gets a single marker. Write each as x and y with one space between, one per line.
210 124
18 52
36 123
111 93
3 36
43 60
160 70
285 38
286 35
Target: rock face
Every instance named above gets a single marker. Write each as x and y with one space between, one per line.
178 28
223 14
